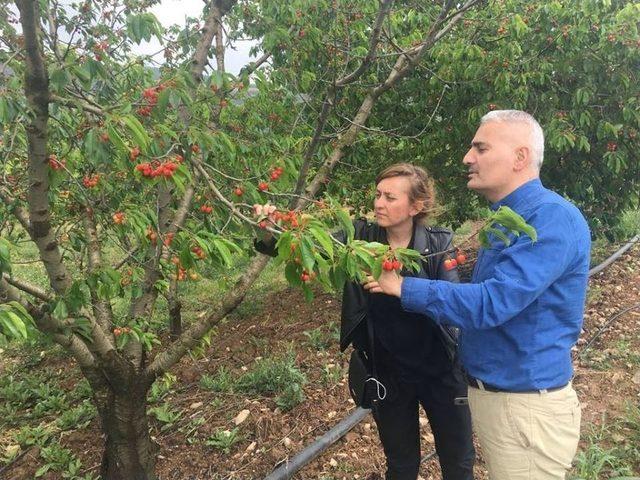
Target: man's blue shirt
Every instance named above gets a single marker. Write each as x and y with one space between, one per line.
523 311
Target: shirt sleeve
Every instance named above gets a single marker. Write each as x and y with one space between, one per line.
521 273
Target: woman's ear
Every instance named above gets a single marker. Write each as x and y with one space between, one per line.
416 207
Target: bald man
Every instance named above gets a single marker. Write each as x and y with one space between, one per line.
522 312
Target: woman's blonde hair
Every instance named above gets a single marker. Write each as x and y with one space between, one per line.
422 187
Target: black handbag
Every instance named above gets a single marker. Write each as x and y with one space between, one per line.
364 385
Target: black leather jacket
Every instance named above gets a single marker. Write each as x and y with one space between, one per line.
426 240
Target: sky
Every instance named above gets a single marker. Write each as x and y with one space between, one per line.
169 12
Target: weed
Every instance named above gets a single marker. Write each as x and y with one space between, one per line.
78 417
161 388
224 439
28 436
222 381
331 374
318 338
165 414
278 376
595 461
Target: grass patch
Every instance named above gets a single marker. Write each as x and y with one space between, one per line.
275 376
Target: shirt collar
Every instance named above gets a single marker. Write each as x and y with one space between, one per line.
520 195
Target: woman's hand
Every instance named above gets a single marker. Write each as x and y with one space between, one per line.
265 212
266 209
389 282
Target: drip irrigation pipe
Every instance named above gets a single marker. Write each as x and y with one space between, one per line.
287 469
605 326
598 269
291 466
614 257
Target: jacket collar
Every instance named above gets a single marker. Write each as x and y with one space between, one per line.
420 242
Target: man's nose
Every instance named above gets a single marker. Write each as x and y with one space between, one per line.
468 157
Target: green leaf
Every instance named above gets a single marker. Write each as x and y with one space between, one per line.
224 252
116 139
18 323
137 130
292 274
60 311
5 256
283 246
376 270
306 251
346 224
323 238
500 234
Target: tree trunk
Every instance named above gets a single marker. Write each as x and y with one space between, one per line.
129 453
175 315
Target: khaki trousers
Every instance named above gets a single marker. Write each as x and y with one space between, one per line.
526 436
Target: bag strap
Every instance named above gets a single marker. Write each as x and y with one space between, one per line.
372 347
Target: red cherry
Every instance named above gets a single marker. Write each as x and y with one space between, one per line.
461 258
262 186
396 265
238 191
387 265
448 264
118 218
454 263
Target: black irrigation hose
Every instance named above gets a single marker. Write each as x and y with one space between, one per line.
614 257
605 326
286 470
598 269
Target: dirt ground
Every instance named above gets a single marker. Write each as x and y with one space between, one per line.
269 436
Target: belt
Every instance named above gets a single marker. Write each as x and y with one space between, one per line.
479 384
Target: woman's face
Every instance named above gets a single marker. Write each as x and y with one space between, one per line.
392 205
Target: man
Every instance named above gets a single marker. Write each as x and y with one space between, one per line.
522 312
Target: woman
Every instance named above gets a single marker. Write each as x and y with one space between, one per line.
415 359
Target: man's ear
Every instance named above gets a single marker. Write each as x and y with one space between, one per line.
523 159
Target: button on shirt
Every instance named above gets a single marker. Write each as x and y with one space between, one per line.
523 311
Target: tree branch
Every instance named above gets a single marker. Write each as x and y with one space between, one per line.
403 66
87 107
101 308
33 290
14 208
219 9
374 39
191 337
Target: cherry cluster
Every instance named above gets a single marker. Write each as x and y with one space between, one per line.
54 163
118 218
390 264
91 181
451 263
157 168
151 97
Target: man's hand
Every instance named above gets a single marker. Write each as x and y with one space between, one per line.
389 282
